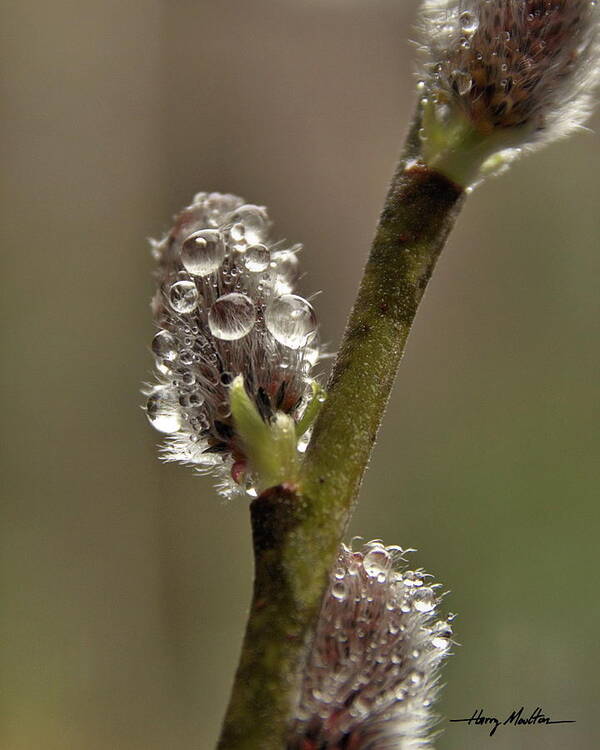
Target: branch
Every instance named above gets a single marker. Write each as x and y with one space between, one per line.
297 530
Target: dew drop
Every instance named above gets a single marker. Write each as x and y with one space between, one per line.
464 82
441 635
410 578
257 258
291 320
415 678
250 225
376 561
232 316
188 378
186 357
183 296
162 410
224 409
203 252
424 599
196 399
468 22
338 591
164 346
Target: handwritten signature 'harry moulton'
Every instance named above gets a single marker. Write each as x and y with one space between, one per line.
515 718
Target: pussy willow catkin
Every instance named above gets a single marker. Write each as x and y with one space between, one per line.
225 307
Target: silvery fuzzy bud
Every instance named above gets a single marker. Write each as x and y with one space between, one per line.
507 74
373 671
225 307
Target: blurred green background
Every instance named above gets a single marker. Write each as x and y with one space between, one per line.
125 582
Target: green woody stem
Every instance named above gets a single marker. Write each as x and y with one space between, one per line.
298 528
419 212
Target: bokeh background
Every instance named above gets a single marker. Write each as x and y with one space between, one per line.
125 582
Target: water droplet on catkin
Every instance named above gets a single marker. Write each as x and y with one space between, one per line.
468 22
291 320
424 599
232 316
441 635
338 591
249 226
376 562
183 296
203 252
162 410
164 346
464 82
257 258
415 678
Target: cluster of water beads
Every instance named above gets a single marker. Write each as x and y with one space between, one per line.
225 307
456 32
377 651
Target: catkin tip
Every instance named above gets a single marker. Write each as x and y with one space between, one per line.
373 672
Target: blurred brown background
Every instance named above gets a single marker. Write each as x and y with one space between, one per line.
124 581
